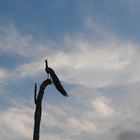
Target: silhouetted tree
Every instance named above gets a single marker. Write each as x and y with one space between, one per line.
38 111
38 98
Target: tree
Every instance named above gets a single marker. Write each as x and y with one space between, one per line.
38 98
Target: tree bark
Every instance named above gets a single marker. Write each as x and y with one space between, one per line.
38 111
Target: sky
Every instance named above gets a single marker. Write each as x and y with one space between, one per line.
93 46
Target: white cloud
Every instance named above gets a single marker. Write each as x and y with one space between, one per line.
3 74
3 78
16 123
31 70
95 65
14 43
101 106
67 123
103 65
87 63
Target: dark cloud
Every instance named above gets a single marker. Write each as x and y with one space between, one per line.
129 135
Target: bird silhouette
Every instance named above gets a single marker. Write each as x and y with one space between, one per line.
55 80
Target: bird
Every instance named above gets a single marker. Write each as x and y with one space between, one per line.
55 80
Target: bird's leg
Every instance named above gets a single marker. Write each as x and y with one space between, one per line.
48 70
48 75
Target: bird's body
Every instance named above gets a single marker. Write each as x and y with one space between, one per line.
56 80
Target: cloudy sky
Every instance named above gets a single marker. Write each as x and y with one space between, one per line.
94 47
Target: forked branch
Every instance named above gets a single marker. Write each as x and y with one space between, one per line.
38 111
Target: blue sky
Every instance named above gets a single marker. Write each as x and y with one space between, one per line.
94 48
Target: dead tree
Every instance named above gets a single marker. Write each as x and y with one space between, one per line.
38 98
38 111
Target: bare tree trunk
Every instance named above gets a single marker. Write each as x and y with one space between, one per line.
38 111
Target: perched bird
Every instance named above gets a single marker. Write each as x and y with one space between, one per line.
55 80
